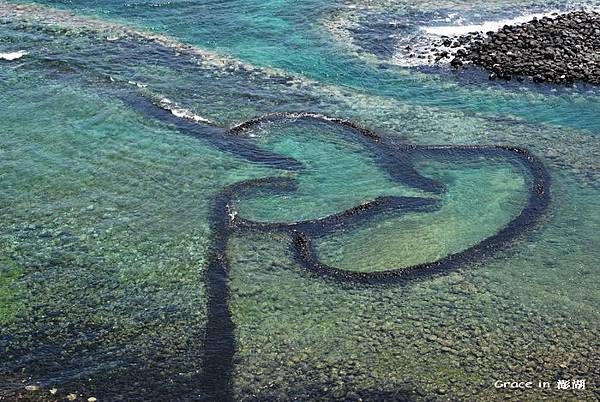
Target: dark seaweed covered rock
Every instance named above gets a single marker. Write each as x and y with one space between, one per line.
562 49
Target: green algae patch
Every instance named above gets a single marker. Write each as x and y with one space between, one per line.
9 290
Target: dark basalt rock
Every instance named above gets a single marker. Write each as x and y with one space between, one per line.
562 49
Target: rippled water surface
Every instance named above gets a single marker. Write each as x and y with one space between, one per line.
394 243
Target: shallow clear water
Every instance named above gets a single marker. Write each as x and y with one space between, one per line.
479 201
339 174
109 277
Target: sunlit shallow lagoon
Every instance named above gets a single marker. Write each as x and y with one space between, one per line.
122 277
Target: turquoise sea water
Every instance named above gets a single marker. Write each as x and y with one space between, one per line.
108 188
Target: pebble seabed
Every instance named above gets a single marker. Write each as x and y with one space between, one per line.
219 344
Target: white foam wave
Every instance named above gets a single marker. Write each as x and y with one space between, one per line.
180 112
137 84
13 55
486 26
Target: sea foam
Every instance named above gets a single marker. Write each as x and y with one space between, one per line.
486 26
180 112
13 55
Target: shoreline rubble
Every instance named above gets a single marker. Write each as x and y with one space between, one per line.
561 49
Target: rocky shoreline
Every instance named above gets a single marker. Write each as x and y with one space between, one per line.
561 49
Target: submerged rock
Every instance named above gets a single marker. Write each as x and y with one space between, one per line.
561 49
